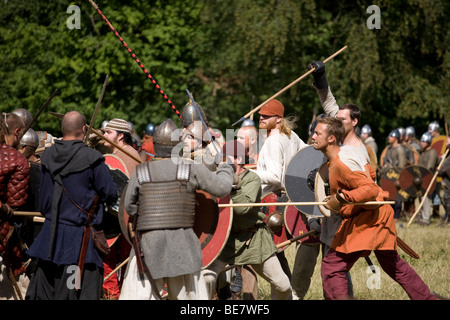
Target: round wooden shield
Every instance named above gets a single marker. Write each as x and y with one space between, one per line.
114 162
300 178
296 225
282 235
321 190
212 225
439 143
389 182
414 180
124 218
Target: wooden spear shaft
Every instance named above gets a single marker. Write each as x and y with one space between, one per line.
318 203
288 86
115 145
428 189
40 110
94 115
294 239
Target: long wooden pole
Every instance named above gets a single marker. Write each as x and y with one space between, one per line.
94 114
294 239
261 204
429 187
40 110
288 86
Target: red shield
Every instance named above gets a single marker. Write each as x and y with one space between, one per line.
212 225
296 226
439 143
389 182
414 180
114 162
283 235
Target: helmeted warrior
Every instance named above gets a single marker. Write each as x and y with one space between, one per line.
408 151
433 129
191 121
429 160
28 145
14 179
395 154
366 135
147 151
160 198
410 137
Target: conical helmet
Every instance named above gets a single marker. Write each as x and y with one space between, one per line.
30 138
190 114
164 140
24 114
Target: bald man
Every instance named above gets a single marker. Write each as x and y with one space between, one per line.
73 177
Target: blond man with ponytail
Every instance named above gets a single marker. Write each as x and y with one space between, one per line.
281 145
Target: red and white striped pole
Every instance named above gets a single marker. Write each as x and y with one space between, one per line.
139 62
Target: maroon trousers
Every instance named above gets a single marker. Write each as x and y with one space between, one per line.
335 266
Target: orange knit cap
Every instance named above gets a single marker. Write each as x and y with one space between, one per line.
272 108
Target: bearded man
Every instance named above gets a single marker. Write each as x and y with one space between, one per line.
119 132
281 144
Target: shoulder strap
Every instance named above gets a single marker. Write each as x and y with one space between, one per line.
143 173
93 206
183 171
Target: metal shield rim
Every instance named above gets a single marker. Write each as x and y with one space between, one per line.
319 185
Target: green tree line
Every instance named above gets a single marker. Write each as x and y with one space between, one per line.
231 55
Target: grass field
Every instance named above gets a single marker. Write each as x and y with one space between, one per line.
431 243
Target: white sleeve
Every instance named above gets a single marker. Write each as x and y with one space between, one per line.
328 101
270 162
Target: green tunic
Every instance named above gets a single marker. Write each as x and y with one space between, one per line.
248 223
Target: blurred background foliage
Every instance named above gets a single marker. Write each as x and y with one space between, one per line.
231 55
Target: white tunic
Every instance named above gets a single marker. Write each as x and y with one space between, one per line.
274 157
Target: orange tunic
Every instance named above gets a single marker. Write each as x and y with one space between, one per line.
363 227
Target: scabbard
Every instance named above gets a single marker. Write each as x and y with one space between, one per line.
82 257
142 267
138 253
84 245
407 248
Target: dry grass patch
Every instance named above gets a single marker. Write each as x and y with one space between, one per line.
431 243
